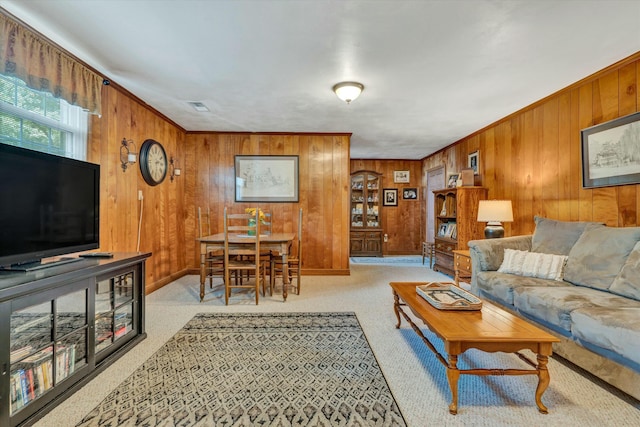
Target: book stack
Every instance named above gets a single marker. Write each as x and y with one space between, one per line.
33 375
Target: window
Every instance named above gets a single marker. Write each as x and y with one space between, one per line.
39 121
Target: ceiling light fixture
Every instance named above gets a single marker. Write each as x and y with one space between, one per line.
348 91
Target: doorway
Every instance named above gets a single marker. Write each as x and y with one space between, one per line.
435 181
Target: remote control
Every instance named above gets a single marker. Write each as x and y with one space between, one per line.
97 255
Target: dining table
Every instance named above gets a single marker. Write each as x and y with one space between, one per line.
277 242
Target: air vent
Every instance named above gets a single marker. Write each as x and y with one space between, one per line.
198 106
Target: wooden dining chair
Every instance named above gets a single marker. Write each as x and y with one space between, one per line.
245 257
214 260
294 263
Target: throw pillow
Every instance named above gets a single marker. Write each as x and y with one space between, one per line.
531 264
627 282
557 237
599 254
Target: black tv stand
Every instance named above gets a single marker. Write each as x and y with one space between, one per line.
39 265
76 319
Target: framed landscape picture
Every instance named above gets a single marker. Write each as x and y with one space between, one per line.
401 176
611 153
266 178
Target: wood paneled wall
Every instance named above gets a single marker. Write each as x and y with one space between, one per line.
163 228
168 226
323 184
405 224
533 156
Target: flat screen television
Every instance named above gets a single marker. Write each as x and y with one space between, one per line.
49 206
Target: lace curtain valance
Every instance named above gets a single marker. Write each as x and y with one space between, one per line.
45 67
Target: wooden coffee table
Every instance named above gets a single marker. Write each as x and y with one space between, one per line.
491 329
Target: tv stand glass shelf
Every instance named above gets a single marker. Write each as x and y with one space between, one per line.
61 326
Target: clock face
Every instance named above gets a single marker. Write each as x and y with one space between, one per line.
153 162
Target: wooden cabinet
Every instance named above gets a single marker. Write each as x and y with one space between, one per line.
61 326
366 231
456 212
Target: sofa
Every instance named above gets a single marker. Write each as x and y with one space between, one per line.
578 280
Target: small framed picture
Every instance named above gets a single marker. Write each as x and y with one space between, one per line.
473 162
390 197
401 176
453 180
410 193
451 228
442 230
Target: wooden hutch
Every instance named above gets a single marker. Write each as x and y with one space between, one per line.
456 213
364 213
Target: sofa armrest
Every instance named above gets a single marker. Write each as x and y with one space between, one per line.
487 255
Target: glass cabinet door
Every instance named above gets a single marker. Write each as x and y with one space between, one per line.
357 200
365 200
373 201
114 309
48 343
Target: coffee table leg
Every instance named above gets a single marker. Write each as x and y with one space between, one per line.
396 307
453 374
543 382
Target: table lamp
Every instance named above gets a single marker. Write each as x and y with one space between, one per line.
494 213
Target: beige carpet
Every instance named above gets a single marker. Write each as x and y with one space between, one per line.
416 379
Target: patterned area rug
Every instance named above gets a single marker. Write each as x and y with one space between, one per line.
289 369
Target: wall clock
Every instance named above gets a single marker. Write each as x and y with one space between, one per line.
153 162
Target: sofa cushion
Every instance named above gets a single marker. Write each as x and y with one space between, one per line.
616 329
487 254
533 264
557 237
499 286
553 305
599 254
627 283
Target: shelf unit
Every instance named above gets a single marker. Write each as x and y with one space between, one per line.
365 214
456 212
63 325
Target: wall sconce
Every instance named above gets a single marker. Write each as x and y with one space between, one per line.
128 155
175 170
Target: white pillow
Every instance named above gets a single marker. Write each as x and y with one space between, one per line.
533 264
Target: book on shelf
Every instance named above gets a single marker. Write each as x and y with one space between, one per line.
33 376
21 352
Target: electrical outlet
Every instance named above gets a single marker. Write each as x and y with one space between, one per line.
386 237
140 196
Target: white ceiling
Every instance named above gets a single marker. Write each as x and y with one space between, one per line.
434 71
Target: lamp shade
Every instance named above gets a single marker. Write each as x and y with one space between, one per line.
495 211
348 91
